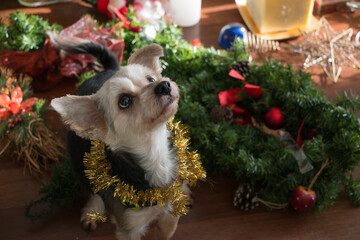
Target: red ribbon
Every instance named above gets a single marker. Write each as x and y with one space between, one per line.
251 90
311 134
230 97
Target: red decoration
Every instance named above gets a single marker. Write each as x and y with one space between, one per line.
303 199
230 97
235 74
14 104
126 22
196 43
45 66
104 6
274 118
311 134
252 90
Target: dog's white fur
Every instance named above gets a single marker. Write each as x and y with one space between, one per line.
140 129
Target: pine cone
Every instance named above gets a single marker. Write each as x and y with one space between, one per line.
243 68
245 197
221 113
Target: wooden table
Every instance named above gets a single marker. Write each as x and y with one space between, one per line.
213 215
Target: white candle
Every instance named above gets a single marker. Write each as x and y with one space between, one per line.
185 13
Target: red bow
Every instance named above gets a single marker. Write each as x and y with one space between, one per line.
14 104
230 97
251 90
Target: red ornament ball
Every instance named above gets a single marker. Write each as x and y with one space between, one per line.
274 118
302 199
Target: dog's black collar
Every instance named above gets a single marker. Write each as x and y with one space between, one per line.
98 171
125 167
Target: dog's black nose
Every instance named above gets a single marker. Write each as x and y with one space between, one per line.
163 88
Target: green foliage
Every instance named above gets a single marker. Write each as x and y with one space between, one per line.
85 76
63 185
8 82
352 187
24 32
40 107
62 188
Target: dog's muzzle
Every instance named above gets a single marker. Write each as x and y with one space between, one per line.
163 88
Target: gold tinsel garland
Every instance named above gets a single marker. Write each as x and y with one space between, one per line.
94 216
98 171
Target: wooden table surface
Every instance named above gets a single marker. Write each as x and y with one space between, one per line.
213 216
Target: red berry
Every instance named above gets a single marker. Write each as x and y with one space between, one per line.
302 199
18 120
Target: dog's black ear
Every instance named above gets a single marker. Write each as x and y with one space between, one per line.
148 56
82 115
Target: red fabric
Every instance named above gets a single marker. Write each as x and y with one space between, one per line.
253 90
229 97
47 68
126 22
311 134
102 5
121 16
299 141
237 75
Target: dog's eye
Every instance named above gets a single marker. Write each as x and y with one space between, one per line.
125 101
150 78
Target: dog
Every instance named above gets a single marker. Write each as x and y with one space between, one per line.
127 109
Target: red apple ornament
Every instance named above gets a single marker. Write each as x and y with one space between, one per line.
274 118
303 199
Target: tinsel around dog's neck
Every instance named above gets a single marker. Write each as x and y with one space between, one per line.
99 173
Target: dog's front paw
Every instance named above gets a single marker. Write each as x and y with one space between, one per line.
87 223
93 213
190 195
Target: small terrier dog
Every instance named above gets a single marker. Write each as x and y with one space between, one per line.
127 109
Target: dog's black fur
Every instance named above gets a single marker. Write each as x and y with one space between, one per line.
123 164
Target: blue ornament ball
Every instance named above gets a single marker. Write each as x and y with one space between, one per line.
229 32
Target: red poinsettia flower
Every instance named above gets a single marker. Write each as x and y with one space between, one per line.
14 104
